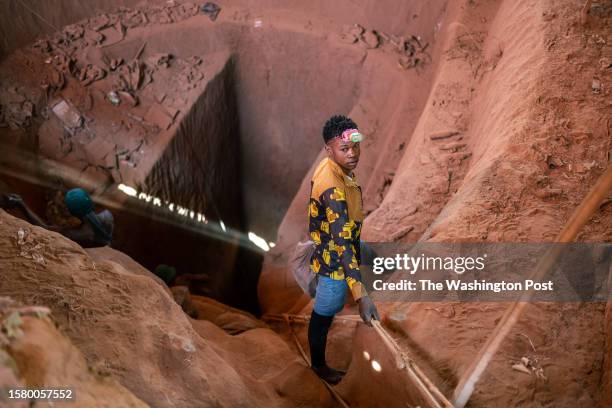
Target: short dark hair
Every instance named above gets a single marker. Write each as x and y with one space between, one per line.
336 125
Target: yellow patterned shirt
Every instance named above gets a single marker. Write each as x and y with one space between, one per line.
335 219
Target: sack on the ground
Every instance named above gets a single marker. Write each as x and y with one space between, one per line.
300 265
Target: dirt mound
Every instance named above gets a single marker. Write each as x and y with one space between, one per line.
33 350
108 254
130 328
509 141
269 359
230 319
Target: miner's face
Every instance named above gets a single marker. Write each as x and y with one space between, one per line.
344 153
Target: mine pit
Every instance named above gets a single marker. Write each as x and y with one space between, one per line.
199 127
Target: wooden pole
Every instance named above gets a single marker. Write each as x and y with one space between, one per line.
581 216
305 318
428 390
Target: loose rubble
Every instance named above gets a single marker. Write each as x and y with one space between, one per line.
411 52
81 72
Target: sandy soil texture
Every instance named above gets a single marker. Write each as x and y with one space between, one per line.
485 121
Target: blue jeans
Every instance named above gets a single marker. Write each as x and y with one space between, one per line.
329 299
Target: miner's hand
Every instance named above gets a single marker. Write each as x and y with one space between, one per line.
367 310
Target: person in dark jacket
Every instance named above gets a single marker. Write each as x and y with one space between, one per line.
96 229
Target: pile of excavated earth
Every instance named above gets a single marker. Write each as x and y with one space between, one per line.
485 121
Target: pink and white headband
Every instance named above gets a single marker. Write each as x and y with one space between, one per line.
351 135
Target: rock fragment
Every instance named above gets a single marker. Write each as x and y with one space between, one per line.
68 115
134 76
194 60
159 15
112 35
93 37
134 18
113 98
57 80
17 110
90 74
405 62
445 134
74 32
453 147
548 192
160 60
128 98
521 368
63 63
554 162
99 22
596 86
351 34
114 63
183 11
370 39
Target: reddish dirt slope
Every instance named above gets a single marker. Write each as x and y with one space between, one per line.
523 85
35 351
129 327
495 135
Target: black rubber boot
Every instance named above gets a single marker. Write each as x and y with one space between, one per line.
328 374
317 339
